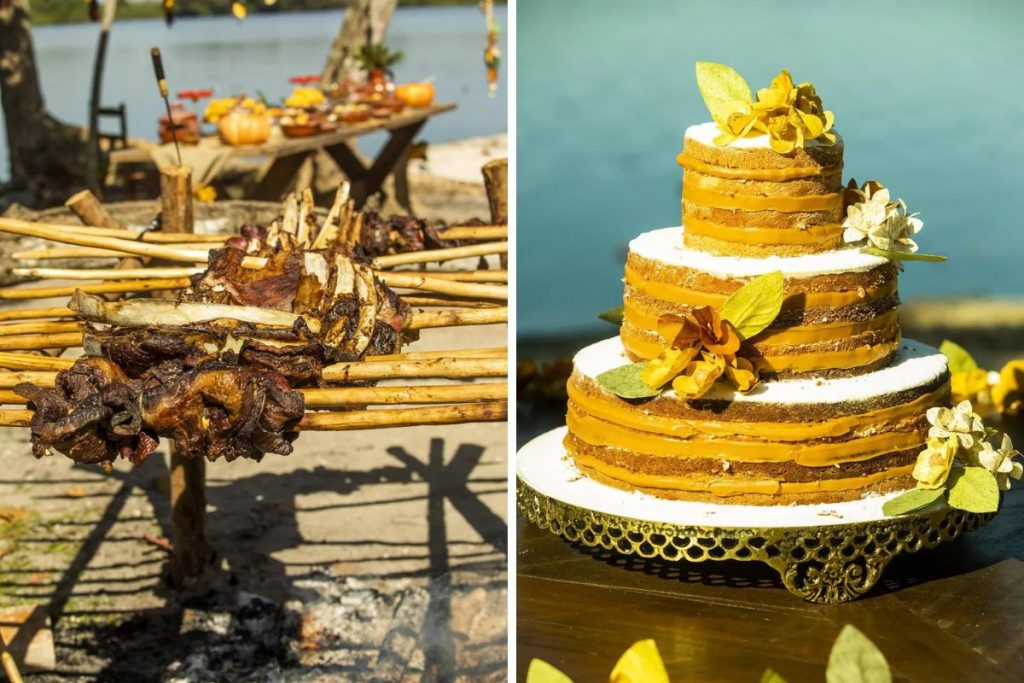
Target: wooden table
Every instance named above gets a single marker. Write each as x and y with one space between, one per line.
288 154
955 613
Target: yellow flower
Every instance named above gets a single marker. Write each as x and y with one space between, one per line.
699 376
667 365
1008 393
205 193
789 114
970 385
701 325
934 462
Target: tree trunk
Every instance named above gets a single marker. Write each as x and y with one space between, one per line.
47 157
366 21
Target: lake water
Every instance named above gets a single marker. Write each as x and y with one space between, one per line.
261 53
927 95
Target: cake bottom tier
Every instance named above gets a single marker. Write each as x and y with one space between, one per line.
789 441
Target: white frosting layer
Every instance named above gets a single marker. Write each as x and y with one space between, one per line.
914 365
666 245
705 134
544 465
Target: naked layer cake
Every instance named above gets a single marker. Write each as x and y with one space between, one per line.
759 359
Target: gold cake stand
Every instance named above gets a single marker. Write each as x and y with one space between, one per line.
823 553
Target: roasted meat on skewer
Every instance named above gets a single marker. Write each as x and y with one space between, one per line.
219 371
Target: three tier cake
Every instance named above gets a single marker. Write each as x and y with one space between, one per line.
759 359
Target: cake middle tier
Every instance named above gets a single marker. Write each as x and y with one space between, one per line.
839 315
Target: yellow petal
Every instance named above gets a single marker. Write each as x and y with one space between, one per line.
542 672
741 373
968 384
1008 393
641 663
666 366
699 376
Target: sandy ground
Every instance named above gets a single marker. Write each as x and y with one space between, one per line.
375 555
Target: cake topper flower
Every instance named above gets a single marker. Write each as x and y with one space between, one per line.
789 114
881 224
701 346
960 464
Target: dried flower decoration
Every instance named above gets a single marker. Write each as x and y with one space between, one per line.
882 224
701 346
960 464
790 115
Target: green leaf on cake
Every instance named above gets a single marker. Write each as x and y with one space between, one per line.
770 676
542 672
973 489
893 255
723 89
855 659
755 305
612 315
625 382
912 500
959 359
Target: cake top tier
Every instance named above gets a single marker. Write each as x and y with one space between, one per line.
764 177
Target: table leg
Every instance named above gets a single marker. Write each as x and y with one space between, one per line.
368 181
277 179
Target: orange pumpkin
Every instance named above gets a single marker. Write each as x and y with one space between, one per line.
416 94
242 128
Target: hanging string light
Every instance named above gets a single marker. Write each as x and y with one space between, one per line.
94 9
169 11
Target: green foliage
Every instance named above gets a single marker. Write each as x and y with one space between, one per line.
378 56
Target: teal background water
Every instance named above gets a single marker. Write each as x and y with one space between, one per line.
261 53
927 95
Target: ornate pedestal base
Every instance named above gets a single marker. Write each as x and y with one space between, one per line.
824 553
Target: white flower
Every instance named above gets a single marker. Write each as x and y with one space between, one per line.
866 215
1000 462
960 422
881 222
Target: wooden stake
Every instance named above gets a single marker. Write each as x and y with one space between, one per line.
432 255
450 368
9 380
38 327
99 288
192 552
108 273
496 182
457 316
425 283
464 275
35 342
405 417
475 232
34 313
15 418
443 393
86 252
26 361
90 210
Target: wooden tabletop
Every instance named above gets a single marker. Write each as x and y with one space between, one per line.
280 145
955 613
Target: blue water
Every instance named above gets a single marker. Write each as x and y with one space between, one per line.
261 53
927 95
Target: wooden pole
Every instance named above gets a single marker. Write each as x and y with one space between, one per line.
496 182
192 552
